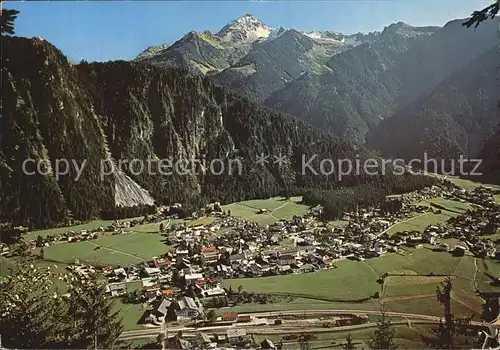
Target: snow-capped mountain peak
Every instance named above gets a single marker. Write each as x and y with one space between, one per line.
325 35
247 28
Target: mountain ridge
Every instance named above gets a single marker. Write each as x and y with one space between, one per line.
237 39
453 119
124 111
370 82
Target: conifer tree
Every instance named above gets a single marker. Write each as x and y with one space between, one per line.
28 307
94 320
443 335
480 16
383 336
7 21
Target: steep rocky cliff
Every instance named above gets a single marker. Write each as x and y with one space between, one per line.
123 115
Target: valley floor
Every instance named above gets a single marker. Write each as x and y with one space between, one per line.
412 274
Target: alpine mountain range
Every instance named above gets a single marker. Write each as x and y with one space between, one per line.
246 90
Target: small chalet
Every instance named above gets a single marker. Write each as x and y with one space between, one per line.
159 262
235 335
187 308
117 289
209 254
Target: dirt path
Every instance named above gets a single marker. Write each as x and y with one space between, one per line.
454 297
270 213
456 267
281 206
278 208
116 251
406 297
401 222
371 268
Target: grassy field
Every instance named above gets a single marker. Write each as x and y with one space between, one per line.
341 283
421 222
285 304
465 183
490 270
148 228
465 282
421 261
337 223
249 213
449 204
5 266
140 243
131 313
402 293
131 248
91 225
200 221
278 208
353 280
397 286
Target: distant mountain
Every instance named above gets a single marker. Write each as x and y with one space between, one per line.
453 119
207 52
341 84
251 57
245 29
120 111
358 88
271 64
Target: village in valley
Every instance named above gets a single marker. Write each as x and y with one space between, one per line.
210 260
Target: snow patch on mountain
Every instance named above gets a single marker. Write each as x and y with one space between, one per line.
247 28
325 35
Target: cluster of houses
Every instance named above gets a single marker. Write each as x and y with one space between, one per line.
475 231
482 196
4 249
175 284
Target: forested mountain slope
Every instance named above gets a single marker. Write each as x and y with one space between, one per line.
454 119
490 154
122 111
362 86
270 65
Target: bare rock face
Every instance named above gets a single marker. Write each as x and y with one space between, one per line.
128 193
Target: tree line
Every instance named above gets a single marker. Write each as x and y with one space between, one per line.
336 202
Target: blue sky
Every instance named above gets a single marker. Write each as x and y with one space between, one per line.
99 31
